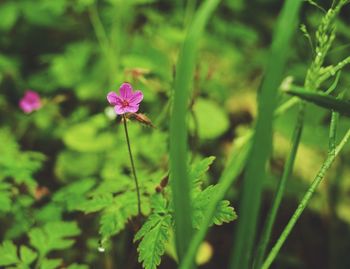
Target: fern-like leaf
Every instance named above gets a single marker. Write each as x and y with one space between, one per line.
223 213
154 234
198 170
116 215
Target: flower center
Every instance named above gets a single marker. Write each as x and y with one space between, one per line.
125 103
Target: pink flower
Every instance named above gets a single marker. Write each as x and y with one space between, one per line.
30 101
127 101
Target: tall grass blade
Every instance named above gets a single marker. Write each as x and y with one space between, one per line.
262 142
178 129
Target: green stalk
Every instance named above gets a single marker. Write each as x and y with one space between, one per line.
262 141
266 234
132 166
178 129
302 205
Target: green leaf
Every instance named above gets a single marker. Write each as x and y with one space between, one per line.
152 221
68 69
50 264
71 165
223 212
8 13
198 169
53 236
155 233
15 164
212 119
8 252
88 136
73 194
115 216
96 203
322 99
27 255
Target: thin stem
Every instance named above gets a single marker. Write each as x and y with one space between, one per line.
132 166
281 187
304 202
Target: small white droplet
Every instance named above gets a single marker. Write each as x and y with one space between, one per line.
101 249
319 54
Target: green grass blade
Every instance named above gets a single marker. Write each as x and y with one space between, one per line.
322 100
178 129
262 142
302 205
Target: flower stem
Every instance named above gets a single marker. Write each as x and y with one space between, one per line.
132 166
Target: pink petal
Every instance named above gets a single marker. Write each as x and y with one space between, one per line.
120 109
27 108
126 91
136 98
112 98
31 95
132 108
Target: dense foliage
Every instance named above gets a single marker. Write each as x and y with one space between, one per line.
67 194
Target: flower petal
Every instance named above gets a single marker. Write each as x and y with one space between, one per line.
112 98
120 109
126 91
25 106
132 108
136 98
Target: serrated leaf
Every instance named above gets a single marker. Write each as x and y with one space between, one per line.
115 216
8 251
198 169
152 245
96 203
53 236
322 100
223 213
151 222
27 255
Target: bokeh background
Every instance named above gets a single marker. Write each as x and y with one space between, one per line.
73 52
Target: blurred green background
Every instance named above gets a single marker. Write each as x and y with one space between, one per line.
73 52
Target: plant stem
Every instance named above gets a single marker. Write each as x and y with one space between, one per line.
302 205
132 166
281 187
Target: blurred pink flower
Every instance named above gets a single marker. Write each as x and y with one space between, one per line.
127 101
30 101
